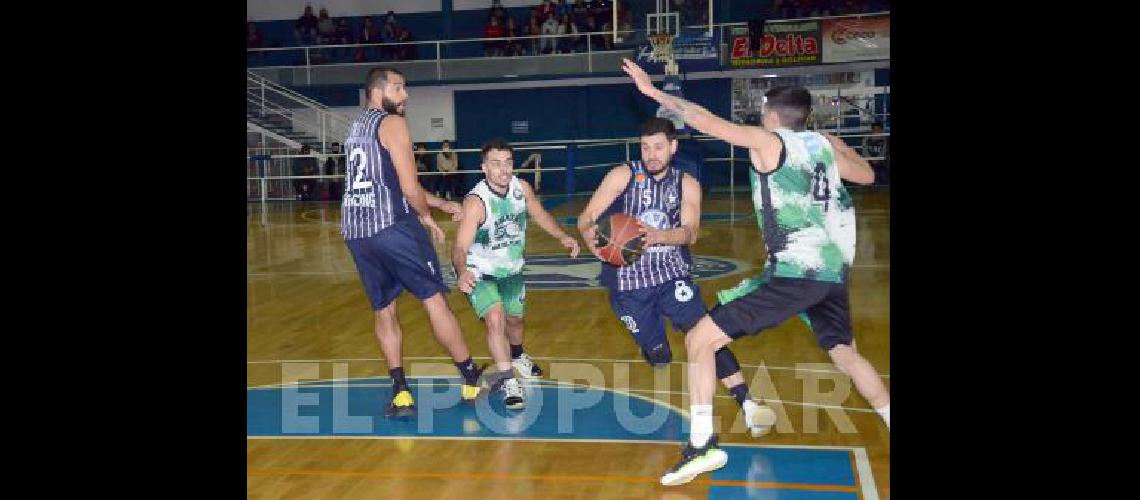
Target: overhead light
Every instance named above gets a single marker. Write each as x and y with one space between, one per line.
512 75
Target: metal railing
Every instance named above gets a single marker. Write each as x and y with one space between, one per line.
271 103
468 57
269 177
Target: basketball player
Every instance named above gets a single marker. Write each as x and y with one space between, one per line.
384 216
808 224
668 202
488 259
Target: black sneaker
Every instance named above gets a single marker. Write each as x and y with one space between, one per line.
695 461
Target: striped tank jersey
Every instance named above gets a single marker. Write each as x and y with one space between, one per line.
657 204
372 199
498 247
806 215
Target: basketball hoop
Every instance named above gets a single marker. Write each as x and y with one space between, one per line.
663 52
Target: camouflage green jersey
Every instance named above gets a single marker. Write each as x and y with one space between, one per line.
499 242
806 215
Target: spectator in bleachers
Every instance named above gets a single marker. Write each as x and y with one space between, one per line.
532 29
578 14
304 188
342 36
325 27
424 163
325 31
571 43
305 29
549 27
499 13
334 165
877 147
562 8
253 40
493 48
595 42
546 9
512 47
628 36
389 35
405 52
368 34
390 18
600 11
448 161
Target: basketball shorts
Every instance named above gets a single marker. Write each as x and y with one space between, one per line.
398 257
772 302
643 311
509 291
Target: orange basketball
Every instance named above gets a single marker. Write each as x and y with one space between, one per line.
620 239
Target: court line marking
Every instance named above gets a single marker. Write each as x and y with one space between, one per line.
478 476
322 273
557 383
718 216
865 478
628 361
634 393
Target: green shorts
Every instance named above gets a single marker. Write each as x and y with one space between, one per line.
746 286
509 291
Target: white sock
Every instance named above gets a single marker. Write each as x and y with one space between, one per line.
885 412
702 425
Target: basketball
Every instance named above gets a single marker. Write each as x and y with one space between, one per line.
620 239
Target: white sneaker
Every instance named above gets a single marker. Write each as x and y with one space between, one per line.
513 394
759 417
526 367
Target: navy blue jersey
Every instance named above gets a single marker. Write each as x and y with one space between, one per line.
657 204
372 198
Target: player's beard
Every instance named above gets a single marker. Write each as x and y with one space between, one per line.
664 167
501 189
391 107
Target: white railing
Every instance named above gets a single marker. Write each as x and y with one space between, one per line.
269 176
438 60
306 116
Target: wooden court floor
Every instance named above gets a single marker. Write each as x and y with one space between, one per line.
307 313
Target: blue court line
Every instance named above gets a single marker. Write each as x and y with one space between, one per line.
554 412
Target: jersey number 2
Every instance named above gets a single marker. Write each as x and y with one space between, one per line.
358 162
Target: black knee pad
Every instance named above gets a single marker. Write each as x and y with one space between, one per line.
658 355
725 363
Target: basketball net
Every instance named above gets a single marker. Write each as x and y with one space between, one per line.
663 52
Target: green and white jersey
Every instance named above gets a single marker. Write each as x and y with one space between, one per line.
806 215
499 242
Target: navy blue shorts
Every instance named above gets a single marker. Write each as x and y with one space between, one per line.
399 256
643 312
778 299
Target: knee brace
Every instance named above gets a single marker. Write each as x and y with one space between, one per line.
725 363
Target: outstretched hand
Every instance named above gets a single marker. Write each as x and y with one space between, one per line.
640 78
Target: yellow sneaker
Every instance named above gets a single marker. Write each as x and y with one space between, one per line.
402 405
469 392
